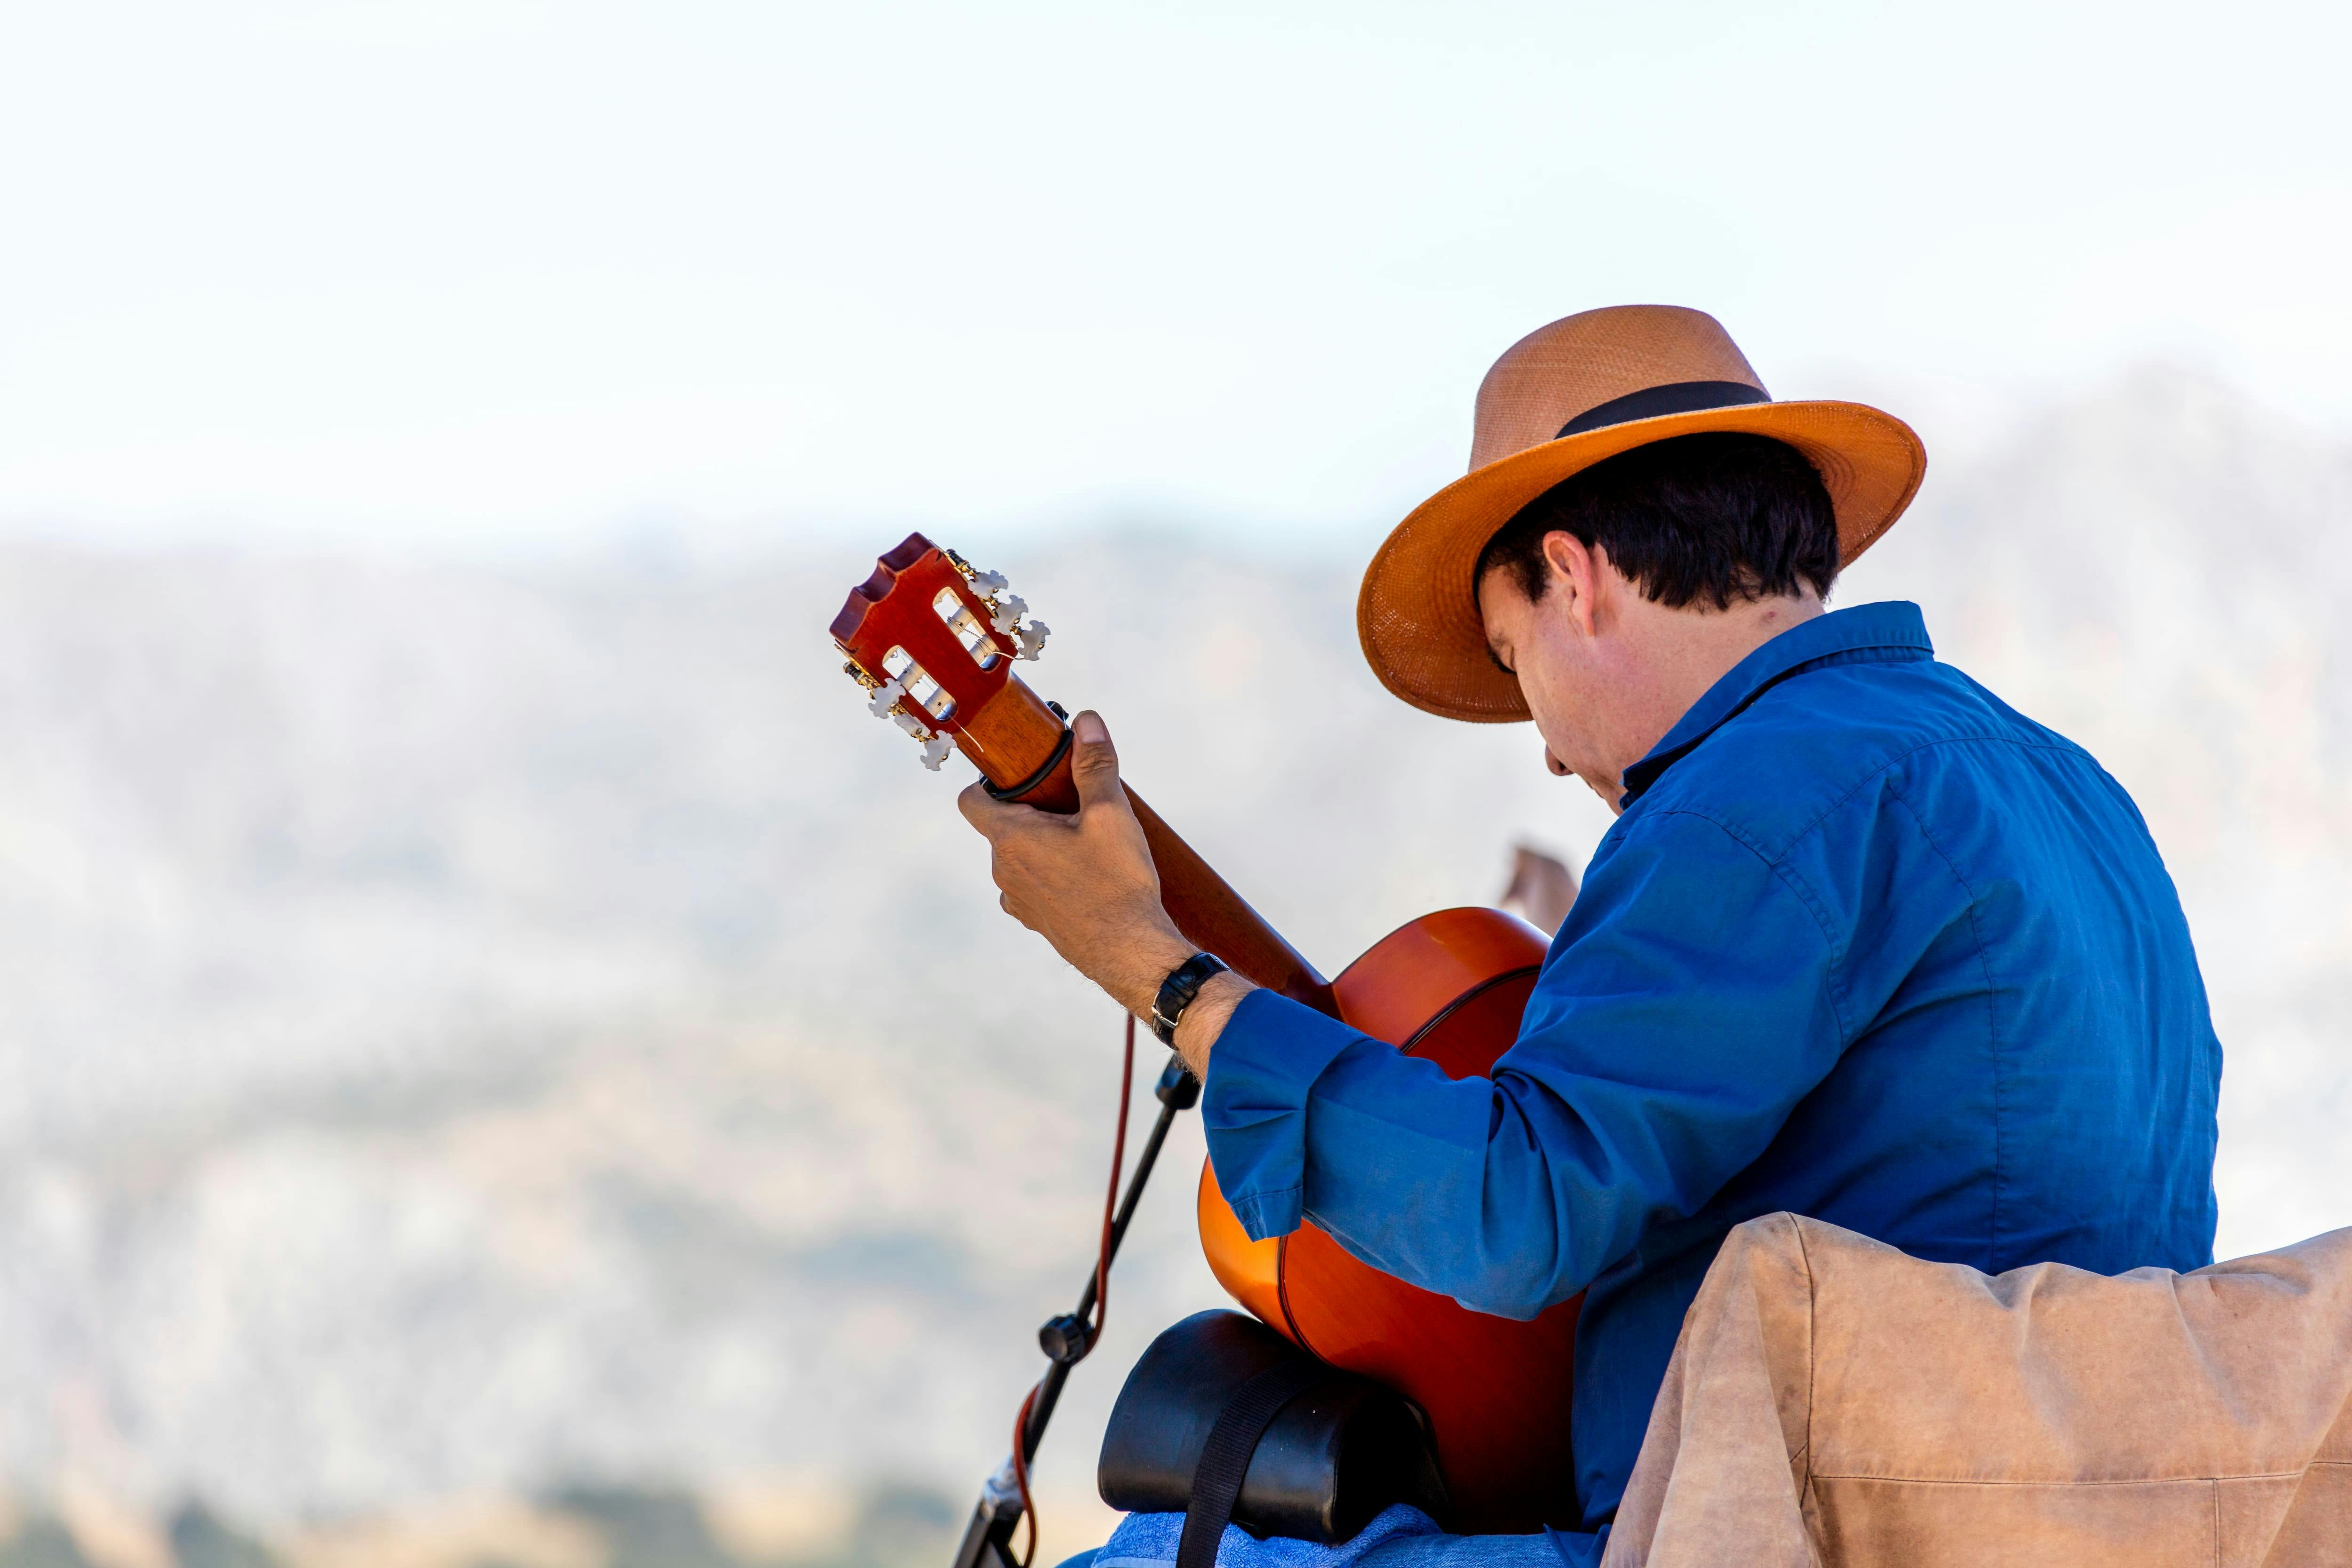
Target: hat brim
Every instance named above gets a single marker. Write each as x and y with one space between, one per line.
1417 614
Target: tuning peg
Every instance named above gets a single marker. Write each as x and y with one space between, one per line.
1005 609
886 696
936 743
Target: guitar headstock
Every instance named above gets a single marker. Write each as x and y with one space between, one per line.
932 640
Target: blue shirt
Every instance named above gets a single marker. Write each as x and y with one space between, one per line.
1866 944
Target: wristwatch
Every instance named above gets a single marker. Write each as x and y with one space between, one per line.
1176 993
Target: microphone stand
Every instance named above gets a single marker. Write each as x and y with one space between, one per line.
1065 1340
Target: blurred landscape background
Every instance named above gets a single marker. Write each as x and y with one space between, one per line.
511 1065
504 1064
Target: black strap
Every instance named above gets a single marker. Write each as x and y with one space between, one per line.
1674 397
1225 1457
1180 991
1061 750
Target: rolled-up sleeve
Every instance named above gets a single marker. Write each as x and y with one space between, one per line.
1685 1008
1262 1075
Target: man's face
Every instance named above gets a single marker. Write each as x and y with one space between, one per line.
1605 669
1555 660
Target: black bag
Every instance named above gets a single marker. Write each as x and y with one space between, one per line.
1223 1418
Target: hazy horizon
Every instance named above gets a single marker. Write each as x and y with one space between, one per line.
427 271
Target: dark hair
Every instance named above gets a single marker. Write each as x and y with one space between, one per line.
1719 515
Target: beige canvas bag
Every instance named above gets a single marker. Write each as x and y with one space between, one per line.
1832 1401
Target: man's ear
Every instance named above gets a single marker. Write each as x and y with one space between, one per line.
1576 569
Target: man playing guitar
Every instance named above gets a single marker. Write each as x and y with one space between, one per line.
1863 943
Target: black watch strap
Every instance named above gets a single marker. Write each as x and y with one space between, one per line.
1176 993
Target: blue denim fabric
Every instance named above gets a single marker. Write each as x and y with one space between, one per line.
1400 1537
1866 944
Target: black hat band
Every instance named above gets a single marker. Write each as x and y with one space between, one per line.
1654 402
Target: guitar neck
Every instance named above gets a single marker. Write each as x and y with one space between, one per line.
1013 738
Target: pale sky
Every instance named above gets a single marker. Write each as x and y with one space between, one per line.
504 274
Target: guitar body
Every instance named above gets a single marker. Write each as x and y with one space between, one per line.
933 643
1450 987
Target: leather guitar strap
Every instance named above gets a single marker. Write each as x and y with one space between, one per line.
1225 1457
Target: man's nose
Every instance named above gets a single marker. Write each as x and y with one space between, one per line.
1558 769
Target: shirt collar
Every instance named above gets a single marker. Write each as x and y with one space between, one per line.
1889 633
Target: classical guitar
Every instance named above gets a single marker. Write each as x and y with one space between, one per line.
933 643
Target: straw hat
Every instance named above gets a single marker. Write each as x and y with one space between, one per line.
1559 400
